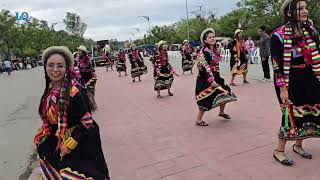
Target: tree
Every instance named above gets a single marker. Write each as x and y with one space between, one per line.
74 24
7 23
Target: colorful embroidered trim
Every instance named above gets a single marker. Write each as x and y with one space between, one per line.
71 143
280 82
302 111
87 120
48 172
315 54
67 173
288 53
201 61
74 91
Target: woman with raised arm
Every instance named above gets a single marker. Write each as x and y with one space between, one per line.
211 90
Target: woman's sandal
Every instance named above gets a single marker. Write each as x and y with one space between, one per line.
170 94
159 96
226 116
305 155
202 123
286 161
233 84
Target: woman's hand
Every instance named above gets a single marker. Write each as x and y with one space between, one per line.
214 84
64 150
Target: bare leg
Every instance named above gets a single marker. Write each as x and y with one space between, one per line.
279 153
232 80
245 78
169 91
222 107
139 78
158 91
299 149
199 121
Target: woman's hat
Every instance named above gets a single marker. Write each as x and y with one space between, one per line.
285 4
107 48
132 45
162 42
82 48
237 32
59 49
185 41
205 32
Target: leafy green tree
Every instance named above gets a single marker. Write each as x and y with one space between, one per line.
74 24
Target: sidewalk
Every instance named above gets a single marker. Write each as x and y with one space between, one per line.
145 138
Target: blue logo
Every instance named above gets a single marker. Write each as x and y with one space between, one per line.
23 17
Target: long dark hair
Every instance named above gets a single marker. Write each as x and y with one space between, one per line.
66 84
205 36
293 9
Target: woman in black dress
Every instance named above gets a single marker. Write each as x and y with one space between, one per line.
137 63
211 90
121 62
68 141
163 71
187 58
88 74
239 58
296 61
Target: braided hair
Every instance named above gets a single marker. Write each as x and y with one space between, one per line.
64 98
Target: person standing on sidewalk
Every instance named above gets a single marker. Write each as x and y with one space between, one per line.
264 44
250 48
7 66
68 142
211 90
296 61
239 58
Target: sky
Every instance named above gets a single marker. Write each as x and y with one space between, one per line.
118 19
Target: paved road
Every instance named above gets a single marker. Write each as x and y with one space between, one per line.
19 97
145 138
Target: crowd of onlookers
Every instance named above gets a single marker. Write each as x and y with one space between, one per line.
19 64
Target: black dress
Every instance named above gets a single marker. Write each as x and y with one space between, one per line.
238 61
86 160
207 96
87 73
121 63
301 118
137 65
187 62
163 72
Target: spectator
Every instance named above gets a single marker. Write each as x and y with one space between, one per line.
264 45
250 48
7 66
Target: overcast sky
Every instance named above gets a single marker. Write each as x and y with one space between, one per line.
115 18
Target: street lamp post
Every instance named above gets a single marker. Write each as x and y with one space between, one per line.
148 19
188 28
187 11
